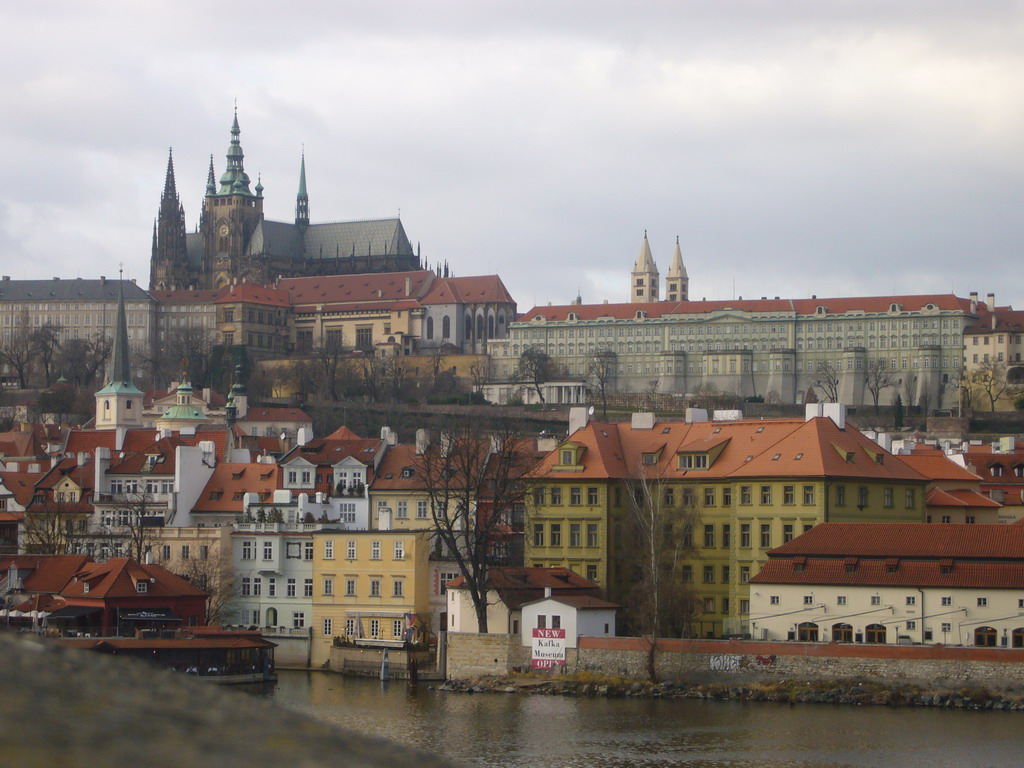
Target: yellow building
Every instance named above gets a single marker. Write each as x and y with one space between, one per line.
993 369
717 495
370 585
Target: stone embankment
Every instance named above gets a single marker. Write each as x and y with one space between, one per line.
856 692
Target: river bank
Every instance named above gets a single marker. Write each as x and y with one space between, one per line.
850 692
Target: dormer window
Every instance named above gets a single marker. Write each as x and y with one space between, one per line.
996 470
142 587
650 458
567 456
85 587
693 461
407 472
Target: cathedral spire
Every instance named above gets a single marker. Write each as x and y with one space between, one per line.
644 278
235 180
170 189
302 198
677 282
120 355
211 180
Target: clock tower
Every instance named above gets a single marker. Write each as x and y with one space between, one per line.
230 215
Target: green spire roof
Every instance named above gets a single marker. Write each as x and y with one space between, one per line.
302 199
235 180
211 180
121 373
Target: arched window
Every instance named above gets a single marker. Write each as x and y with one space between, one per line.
469 326
874 633
842 633
490 326
106 405
430 327
271 617
446 327
1017 637
501 319
807 632
480 326
996 470
985 637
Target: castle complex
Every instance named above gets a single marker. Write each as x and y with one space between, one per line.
234 242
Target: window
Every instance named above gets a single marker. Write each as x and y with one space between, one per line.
375 550
248 550
307 550
328 587
374 587
399 550
396 628
567 456
257 586
185 551
766 535
271 587
374 627
591 573
575 535
556 622
709 535
949 601
591 534
788 494
421 510
398 588
556 534
556 495
726 574
709 605
709 497
911 600
745 494
840 495
142 586
290 588
298 619
328 627
165 552
766 495
744 574
350 587
709 574
887 500
876 600
841 600
911 499
808 494
774 600
787 532
744 606
575 496
542 621
592 496
982 602
727 496
862 496
745 535
726 535
246 586
808 599
350 554
538 534
307 588
268 550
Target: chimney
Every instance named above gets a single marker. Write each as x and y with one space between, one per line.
408 286
422 441
103 280
7 278
991 301
642 420
974 302
83 457
579 417
547 591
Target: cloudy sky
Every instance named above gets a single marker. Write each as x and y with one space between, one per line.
796 148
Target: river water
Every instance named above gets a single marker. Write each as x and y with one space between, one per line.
519 730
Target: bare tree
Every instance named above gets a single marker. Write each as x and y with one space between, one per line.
827 380
535 368
372 371
663 517
474 458
49 527
601 370
989 378
18 350
131 527
45 348
81 360
329 358
910 389
877 377
193 346
216 577
395 375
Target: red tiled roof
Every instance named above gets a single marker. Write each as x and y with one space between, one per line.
119 576
960 498
582 602
524 584
21 485
251 293
389 473
778 306
468 290
937 466
907 540
328 451
910 573
361 288
233 479
48 573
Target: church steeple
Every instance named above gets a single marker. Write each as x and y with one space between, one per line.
302 198
677 282
211 181
170 190
644 282
169 265
119 403
235 180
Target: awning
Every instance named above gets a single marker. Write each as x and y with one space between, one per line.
73 612
148 614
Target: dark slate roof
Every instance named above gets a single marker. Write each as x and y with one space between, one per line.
194 248
68 290
377 237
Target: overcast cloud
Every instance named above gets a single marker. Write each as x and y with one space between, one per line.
796 148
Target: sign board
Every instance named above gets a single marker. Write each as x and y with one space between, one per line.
548 649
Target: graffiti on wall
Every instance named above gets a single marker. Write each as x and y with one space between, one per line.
724 662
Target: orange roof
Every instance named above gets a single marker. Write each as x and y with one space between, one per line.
119 576
961 498
90 439
251 293
22 485
389 474
276 414
468 290
940 540
769 448
328 451
45 573
783 306
518 585
937 466
225 488
359 288
343 433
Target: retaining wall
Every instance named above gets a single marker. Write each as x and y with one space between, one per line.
748 661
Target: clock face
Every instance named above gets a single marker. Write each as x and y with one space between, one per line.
223 230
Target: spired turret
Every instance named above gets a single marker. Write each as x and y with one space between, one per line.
119 403
677 282
302 198
644 279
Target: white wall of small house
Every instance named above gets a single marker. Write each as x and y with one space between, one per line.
950 615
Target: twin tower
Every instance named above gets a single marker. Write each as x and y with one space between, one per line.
645 280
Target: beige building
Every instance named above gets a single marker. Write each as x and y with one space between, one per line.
894 583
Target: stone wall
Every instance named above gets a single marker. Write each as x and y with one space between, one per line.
723 661
291 652
473 655
354 660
